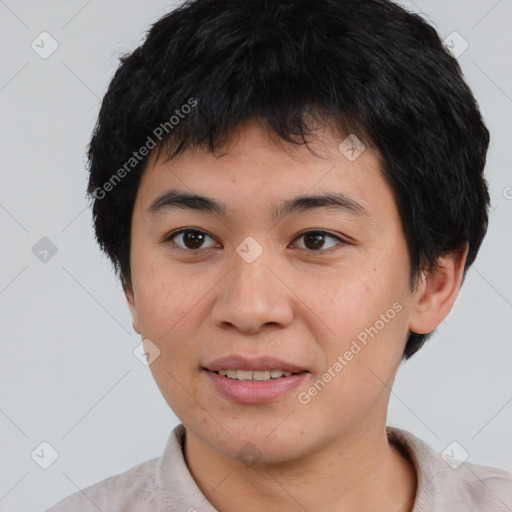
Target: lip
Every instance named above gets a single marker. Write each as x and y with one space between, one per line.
253 392
238 362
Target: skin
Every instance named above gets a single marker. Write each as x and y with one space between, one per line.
293 302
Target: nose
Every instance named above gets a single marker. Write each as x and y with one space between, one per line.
252 297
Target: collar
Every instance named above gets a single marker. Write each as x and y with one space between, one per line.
440 487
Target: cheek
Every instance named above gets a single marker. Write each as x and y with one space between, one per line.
168 307
166 297
366 315
171 304
349 301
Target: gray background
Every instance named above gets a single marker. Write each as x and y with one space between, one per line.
68 373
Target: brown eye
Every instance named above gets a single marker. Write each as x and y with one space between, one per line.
315 240
192 239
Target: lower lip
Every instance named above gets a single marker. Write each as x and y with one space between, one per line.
252 392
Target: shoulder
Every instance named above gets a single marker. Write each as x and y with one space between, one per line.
488 488
445 480
131 491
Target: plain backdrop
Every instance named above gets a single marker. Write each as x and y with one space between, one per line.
69 377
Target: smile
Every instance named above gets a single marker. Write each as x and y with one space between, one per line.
253 375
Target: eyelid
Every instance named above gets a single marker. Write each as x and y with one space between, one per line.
326 233
169 238
342 240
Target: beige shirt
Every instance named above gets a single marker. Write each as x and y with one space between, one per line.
164 484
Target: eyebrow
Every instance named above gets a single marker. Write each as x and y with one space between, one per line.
175 199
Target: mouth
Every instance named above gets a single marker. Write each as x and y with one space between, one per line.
262 367
250 381
256 376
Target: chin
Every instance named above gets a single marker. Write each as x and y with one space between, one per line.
271 442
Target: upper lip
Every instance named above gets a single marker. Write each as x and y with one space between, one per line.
238 362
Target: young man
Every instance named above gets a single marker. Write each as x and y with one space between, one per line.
291 193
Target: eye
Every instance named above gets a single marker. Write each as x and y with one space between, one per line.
191 238
315 240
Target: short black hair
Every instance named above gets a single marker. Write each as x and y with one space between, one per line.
369 67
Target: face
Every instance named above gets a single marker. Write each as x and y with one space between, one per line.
253 279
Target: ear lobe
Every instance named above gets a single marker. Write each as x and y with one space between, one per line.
130 297
436 295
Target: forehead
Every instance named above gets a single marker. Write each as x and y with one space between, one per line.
257 170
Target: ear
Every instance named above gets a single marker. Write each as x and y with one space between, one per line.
130 297
435 295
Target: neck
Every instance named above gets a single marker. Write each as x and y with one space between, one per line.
358 471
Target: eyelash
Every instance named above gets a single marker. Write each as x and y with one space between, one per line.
327 234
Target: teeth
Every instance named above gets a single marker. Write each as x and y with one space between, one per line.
258 375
